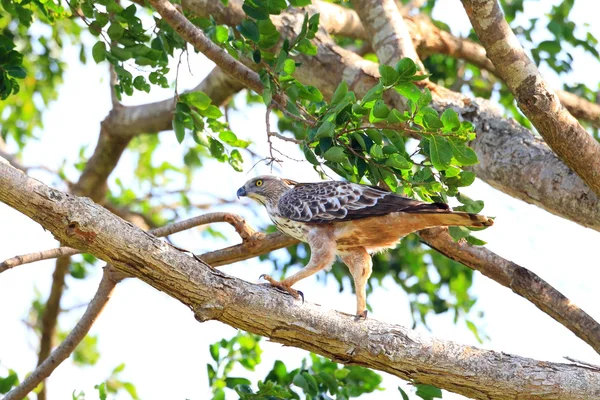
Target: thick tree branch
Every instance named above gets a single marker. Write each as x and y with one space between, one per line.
64 350
196 38
387 31
520 280
210 294
578 149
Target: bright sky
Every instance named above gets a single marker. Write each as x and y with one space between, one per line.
166 349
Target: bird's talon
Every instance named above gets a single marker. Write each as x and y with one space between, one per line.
301 295
262 276
361 315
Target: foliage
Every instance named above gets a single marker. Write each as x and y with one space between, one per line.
411 148
316 378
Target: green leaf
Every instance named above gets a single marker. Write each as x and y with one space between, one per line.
432 122
179 128
403 393
463 154
221 34
99 52
335 154
450 119
451 172
325 130
372 94
329 381
300 3
397 161
428 392
408 90
380 110
255 12
440 152
16 71
305 46
374 135
101 390
406 68
341 374
472 240
214 351
120 53
300 381
289 66
7 383
237 163
389 76
376 151
458 232
466 178
249 29
313 388
340 92
310 155
424 99
200 100
115 31
212 112
469 205
233 382
395 116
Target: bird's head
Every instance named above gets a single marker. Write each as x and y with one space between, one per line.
266 189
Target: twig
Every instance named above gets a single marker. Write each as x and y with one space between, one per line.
284 138
271 158
64 350
37 256
241 227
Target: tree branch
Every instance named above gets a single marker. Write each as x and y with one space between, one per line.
211 294
573 144
520 280
387 31
37 256
196 38
64 350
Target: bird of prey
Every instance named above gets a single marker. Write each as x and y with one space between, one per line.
348 220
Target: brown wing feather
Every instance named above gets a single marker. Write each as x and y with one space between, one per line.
343 201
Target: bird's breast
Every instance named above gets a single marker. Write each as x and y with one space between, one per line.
295 229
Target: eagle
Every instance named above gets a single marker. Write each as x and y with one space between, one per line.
347 220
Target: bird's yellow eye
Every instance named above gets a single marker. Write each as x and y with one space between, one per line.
259 182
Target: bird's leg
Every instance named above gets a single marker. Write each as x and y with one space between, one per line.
360 265
322 255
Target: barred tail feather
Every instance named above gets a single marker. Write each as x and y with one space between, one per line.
456 218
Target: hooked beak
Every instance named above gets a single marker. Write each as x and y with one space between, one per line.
241 192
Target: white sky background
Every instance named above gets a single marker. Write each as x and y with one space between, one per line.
166 349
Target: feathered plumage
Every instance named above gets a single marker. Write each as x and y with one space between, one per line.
349 220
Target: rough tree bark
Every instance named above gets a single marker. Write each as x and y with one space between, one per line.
210 294
573 144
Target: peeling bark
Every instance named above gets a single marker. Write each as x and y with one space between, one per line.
211 294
